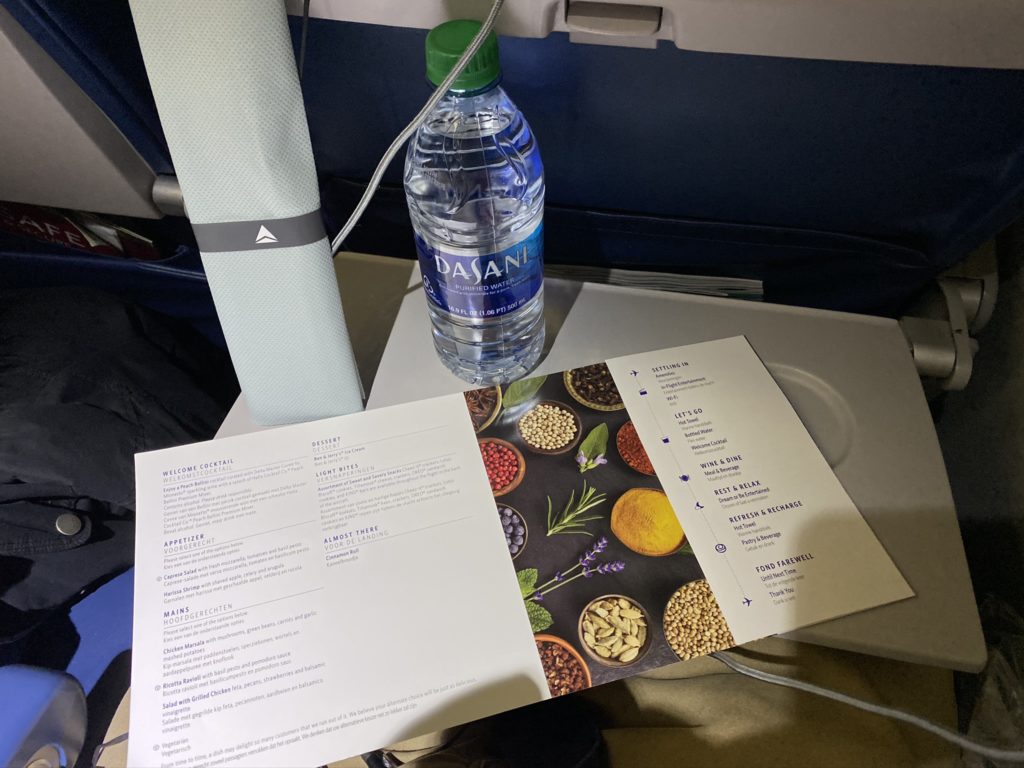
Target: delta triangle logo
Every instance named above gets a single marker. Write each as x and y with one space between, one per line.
265 236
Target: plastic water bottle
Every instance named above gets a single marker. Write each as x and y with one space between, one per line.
475 188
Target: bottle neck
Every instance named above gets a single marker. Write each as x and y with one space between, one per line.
458 94
464 114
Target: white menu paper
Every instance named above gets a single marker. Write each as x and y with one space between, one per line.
300 593
780 541
316 591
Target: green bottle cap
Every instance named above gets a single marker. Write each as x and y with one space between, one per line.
446 43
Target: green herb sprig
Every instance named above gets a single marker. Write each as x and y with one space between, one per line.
518 392
573 518
592 450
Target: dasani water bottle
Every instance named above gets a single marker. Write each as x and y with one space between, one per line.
475 188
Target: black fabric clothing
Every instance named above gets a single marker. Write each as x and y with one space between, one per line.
86 381
557 733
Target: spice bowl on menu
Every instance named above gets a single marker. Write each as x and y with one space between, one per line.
594 387
632 451
504 464
550 428
484 405
615 630
644 521
693 622
564 668
516 531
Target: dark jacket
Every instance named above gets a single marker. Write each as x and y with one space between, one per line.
86 381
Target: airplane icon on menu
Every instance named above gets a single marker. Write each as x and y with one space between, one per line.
634 373
747 601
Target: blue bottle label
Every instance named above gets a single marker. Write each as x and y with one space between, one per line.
482 286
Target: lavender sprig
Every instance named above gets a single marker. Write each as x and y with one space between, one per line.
591 554
605 568
586 567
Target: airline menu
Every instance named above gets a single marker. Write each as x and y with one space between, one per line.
319 590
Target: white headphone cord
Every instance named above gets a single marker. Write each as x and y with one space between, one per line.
410 129
993 753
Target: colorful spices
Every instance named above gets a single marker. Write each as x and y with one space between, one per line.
632 450
694 624
565 672
643 520
548 427
501 463
594 383
515 529
482 404
614 630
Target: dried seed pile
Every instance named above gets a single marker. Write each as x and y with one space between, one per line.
632 450
595 384
481 404
548 427
563 671
501 463
614 629
694 624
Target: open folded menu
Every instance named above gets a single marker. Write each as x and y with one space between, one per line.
323 589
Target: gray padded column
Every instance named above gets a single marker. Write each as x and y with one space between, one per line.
225 82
